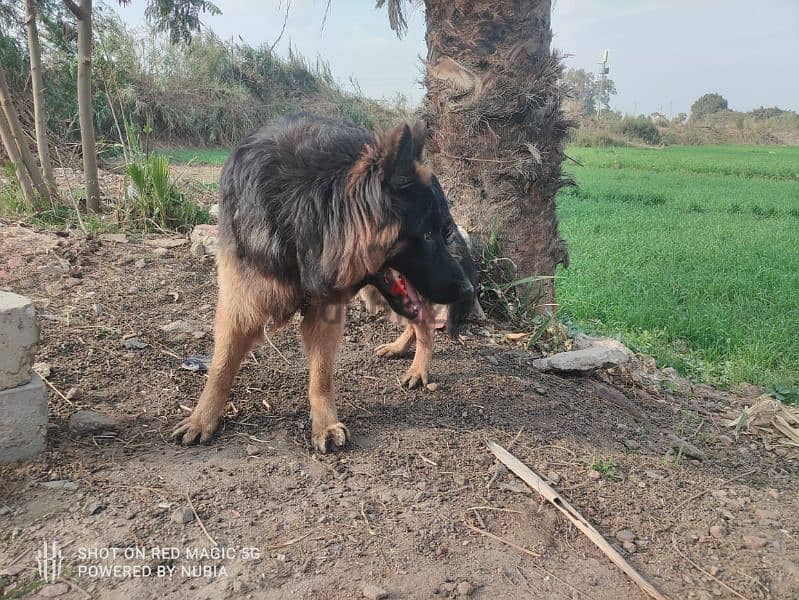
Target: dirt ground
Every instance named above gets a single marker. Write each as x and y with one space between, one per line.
398 507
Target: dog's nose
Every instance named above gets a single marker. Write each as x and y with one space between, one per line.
467 290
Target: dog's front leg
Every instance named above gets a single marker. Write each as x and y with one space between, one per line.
419 371
322 328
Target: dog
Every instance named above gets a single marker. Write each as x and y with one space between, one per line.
422 332
311 211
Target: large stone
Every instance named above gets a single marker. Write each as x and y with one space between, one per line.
589 359
87 422
204 240
19 335
23 426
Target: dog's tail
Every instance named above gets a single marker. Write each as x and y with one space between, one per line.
458 312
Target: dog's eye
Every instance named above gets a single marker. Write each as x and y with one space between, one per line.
428 236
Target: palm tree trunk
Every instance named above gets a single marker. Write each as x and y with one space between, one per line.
18 136
493 104
28 195
83 13
39 114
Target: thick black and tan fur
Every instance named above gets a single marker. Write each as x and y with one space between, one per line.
311 211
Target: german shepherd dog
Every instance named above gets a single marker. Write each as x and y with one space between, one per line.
422 331
311 211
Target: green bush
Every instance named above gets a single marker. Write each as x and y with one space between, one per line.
708 105
640 128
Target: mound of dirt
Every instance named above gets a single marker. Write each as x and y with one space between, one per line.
389 514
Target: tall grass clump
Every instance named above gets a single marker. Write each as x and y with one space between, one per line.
152 200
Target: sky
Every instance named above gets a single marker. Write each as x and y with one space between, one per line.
664 54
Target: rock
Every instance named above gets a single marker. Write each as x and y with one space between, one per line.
59 484
629 547
253 450
464 588
589 359
493 360
133 344
74 393
92 508
432 387
213 211
595 475
753 542
625 535
205 239
373 592
179 327
86 422
43 369
115 238
540 390
127 260
19 336
655 475
140 264
554 477
183 515
166 242
23 426
718 531
686 448
161 251
53 590
766 517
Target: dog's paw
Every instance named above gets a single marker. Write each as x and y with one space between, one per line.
191 428
415 376
389 350
337 434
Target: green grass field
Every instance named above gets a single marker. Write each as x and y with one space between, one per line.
197 156
689 253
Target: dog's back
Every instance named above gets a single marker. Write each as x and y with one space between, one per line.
292 170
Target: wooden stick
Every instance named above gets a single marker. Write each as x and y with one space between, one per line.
200 521
559 502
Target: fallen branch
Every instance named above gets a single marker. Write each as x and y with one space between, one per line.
701 570
559 502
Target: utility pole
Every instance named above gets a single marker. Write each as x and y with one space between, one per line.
604 69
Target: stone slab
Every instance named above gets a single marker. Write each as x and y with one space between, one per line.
19 335
23 427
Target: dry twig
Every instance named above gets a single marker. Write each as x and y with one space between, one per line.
200 521
571 513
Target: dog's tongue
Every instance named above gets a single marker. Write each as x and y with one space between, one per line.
402 287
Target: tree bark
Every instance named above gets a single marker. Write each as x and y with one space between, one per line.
83 13
493 105
18 138
39 115
28 194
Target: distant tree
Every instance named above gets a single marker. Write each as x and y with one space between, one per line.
584 87
707 105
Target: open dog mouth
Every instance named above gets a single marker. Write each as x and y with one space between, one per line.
400 293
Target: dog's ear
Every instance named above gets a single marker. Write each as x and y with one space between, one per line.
401 148
419 137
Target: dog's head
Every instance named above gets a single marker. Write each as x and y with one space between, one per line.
411 258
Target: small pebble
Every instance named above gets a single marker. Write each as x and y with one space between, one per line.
594 475
432 387
553 477
718 531
625 535
140 264
183 515
74 393
464 588
629 547
753 542
373 592
253 450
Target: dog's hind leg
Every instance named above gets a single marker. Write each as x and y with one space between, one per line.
399 346
322 328
240 316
